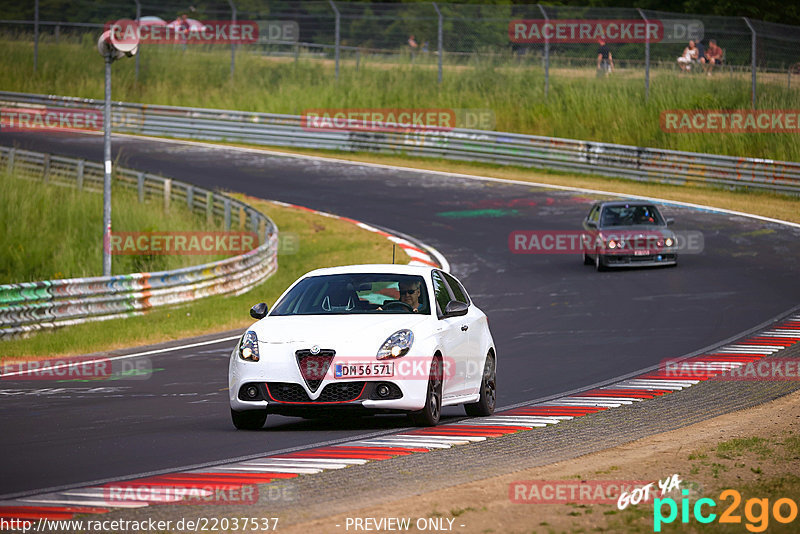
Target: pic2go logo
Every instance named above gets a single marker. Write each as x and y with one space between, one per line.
756 511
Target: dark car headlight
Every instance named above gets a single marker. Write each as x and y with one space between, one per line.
248 346
397 345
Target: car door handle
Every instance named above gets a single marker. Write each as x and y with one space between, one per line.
464 328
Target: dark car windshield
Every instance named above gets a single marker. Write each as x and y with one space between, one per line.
355 294
631 215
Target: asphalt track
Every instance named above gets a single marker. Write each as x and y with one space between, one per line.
558 325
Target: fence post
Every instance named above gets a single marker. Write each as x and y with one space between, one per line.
57 32
296 53
546 55
358 58
139 50
752 61
167 193
35 35
10 163
646 54
440 37
209 207
46 168
233 45
140 186
79 174
227 213
190 197
338 20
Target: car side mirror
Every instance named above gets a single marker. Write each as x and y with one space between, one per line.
670 222
259 311
456 308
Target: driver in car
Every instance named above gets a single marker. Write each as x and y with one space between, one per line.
409 294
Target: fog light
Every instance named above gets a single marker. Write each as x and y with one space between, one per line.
383 390
251 391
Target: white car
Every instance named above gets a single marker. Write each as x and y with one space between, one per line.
365 339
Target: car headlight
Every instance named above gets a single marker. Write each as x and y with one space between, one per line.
248 346
669 241
397 345
612 244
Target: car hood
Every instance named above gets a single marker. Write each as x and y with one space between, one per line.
354 333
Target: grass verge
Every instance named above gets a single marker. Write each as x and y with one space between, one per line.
321 242
55 231
610 109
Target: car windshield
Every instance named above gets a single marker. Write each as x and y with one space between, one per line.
356 293
631 215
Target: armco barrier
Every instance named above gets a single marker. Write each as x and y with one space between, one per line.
637 163
32 306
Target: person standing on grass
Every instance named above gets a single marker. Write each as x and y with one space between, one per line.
605 61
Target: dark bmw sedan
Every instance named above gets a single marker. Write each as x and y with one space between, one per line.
627 234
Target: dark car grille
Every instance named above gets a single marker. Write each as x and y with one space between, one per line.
337 392
313 367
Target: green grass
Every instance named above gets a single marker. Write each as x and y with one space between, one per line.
579 104
322 242
54 231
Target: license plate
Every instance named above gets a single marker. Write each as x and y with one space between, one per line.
363 370
641 252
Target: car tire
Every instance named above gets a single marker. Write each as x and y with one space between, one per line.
486 403
586 259
598 263
430 414
249 420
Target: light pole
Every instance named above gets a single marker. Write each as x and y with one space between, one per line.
120 41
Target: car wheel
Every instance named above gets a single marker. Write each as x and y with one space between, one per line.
598 263
486 403
249 420
430 414
586 259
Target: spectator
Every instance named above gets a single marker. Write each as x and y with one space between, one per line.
713 56
688 57
605 61
412 44
701 52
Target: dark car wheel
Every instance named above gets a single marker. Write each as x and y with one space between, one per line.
249 420
430 414
598 263
485 405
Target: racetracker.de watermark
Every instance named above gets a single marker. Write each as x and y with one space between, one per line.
620 242
185 492
732 367
128 31
396 119
80 368
540 31
573 491
23 119
730 121
182 243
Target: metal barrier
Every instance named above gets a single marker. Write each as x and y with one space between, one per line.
636 163
26 307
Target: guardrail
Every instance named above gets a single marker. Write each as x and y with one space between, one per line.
637 163
31 306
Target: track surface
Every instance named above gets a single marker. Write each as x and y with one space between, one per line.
558 325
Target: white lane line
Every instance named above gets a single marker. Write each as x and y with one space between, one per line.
85 502
124 357
406 444
439 436
511 423
272 469
623 400
315 465
518 419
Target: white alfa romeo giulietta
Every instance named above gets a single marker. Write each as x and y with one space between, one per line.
365 339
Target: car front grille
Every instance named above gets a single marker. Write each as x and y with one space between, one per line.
313 367
294 393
